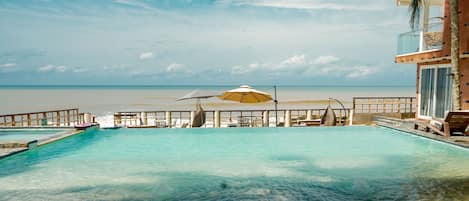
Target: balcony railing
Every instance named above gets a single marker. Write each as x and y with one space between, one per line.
421 40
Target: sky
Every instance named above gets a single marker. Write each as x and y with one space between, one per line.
205 42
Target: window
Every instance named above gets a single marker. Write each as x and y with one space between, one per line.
435 91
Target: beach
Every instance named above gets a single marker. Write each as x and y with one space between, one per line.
105 100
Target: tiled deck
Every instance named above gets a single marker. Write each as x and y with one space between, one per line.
408 127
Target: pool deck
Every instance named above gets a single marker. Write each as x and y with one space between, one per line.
408 127
14 147
4 152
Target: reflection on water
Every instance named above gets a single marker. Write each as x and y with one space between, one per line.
343 163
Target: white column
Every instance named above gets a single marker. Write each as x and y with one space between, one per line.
87 117
192 118
217 119
309 115
144 119
168 119
265 118
287 118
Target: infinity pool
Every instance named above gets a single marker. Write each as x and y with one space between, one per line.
336 163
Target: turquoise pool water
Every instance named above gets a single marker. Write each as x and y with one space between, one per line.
337 163
28 134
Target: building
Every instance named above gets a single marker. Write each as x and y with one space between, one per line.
429 47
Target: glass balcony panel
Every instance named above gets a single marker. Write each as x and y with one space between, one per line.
429 38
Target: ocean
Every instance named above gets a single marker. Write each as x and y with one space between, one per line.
105 100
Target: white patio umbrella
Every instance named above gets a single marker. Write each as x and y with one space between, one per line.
246 94
199 116
199 94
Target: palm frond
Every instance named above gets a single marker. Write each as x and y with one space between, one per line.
414 8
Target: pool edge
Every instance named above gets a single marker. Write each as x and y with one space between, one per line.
422 134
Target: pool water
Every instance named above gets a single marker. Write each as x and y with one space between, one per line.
28 134
323 163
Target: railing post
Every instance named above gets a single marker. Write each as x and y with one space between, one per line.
265 118
28 117
44 116
58 119
421 41
217 119
399 107
68 118
350 118
369 106
144 118
287 118
13 121
309 115
168 119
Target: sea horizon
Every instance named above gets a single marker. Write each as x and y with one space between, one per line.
103 100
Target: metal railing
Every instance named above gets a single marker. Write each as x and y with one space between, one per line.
226 118
54 118
384 104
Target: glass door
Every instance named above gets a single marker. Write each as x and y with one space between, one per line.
435 91
443 92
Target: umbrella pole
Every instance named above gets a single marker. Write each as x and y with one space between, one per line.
198 103
276 102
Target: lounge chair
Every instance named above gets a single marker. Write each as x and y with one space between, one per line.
453 122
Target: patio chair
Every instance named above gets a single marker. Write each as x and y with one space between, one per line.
454 122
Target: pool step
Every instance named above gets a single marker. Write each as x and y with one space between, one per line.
391 121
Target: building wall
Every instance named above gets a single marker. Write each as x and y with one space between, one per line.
443 56
464 80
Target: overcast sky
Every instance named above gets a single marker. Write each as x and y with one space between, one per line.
207 42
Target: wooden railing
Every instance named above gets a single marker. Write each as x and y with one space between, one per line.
384 104
55 118
225 118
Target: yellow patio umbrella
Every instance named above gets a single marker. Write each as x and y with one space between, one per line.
246 94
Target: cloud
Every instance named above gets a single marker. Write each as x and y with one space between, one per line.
304 4
289 63
50 67
146 55
175 67
8 65
79 70
361 71
299 65
295 60
325 59
46 68
134 3
61 69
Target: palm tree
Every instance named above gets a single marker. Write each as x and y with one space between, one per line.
454 16
415 9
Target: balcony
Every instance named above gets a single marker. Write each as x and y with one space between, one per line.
426 39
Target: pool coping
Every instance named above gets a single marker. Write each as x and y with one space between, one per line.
453 140
28 145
